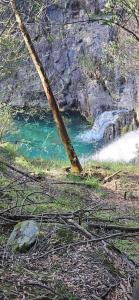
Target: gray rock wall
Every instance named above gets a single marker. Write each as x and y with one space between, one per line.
64 50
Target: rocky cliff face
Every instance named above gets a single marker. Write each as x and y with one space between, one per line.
69 54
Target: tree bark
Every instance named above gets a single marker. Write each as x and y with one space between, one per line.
75 164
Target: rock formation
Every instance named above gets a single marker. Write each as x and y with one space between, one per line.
70 53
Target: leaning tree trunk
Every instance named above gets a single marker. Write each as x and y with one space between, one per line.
75 164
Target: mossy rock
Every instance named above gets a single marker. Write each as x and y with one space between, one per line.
24 235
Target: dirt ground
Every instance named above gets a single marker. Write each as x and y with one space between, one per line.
64 263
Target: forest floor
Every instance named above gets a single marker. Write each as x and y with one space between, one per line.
89 242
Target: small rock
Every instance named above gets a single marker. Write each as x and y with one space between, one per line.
24 235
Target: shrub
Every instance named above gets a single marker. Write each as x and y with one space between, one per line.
6 121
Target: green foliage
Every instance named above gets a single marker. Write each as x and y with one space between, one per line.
8 151
34 5
129 6
6 121
123 13
50 37
88 65
3 239
12 53
96 69
119 11
123 54
125 129
90 122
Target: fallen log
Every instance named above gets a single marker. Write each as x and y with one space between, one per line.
112 227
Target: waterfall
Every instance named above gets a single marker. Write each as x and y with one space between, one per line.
124 149
101 123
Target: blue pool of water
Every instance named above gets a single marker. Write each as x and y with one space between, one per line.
38 138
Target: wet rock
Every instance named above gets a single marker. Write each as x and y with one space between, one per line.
24 235
68 54
61 50
109 125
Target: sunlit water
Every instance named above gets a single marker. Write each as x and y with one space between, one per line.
37 138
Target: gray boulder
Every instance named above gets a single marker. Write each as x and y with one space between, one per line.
24 235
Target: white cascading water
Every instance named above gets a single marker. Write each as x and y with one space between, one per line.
124 149
100 125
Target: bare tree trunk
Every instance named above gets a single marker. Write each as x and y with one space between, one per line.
75 164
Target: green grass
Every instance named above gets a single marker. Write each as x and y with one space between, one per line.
87 181
92 183
105 215
132 223
62 204
39 166
67 197
131 248
111 167
8 151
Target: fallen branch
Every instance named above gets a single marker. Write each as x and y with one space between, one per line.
108 178
18 171
111 220
40 284
45 215
113 227
7 220
80 229
84 242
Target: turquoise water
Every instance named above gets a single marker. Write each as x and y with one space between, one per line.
38 138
